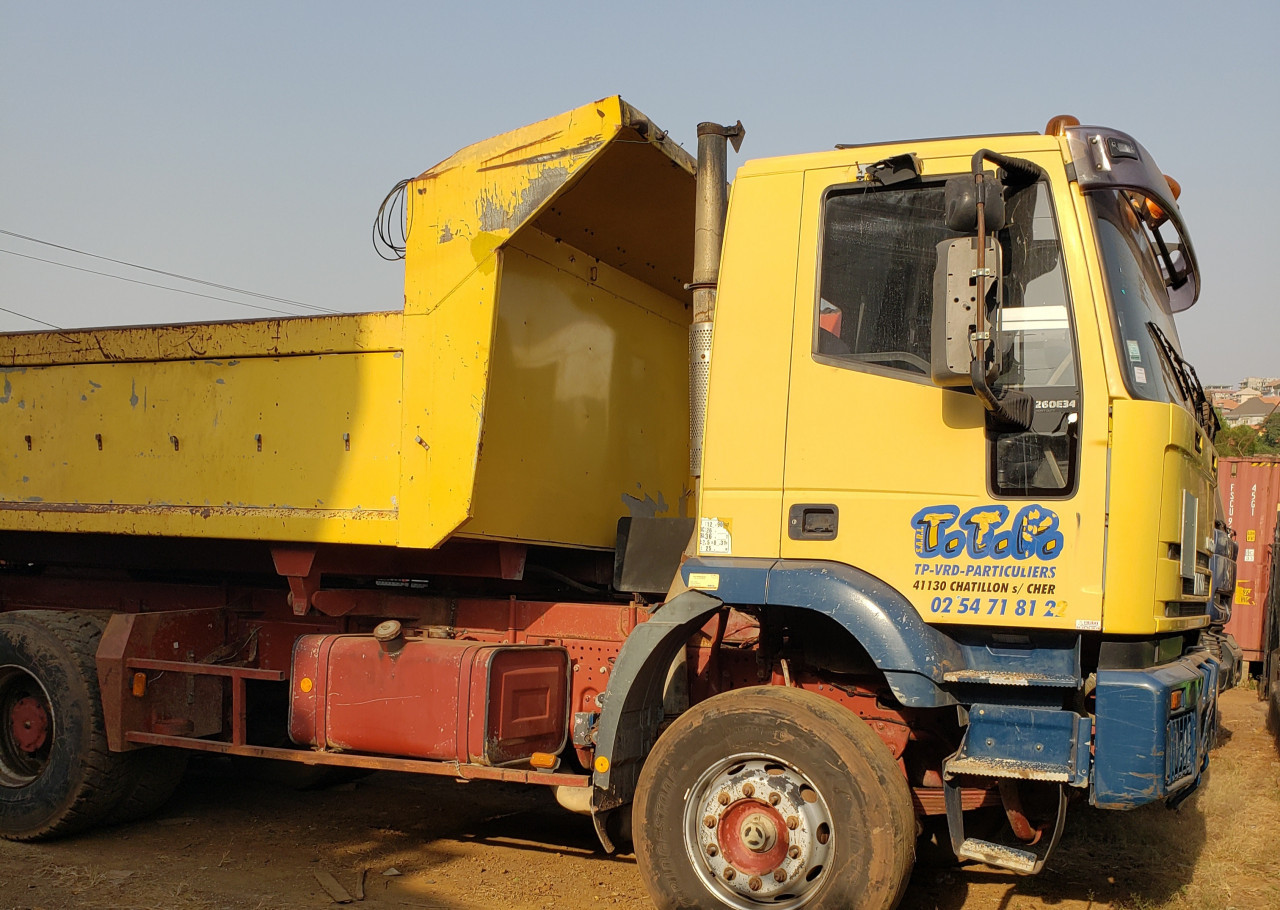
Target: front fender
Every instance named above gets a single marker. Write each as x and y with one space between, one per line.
913 655
632 709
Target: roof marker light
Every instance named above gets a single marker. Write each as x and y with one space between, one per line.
1058 125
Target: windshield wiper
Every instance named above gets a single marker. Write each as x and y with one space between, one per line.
1184 374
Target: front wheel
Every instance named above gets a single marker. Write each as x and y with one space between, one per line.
773 797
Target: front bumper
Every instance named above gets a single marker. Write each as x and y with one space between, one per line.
1153 731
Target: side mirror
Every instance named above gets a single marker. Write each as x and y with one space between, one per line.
955 306
960 203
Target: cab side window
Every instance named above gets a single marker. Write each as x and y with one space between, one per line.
875 314
879 251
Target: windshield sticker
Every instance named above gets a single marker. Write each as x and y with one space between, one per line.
1135 352
1140 375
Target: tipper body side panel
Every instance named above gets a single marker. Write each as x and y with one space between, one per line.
534 388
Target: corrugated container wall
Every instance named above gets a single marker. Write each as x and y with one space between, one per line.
1250 490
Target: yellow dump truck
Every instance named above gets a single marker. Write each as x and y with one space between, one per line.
773 532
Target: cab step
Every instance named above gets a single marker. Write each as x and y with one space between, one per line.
1001 855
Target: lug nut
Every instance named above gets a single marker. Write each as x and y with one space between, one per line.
713 850
709 821
823 835
748 790
730 873
793 822
754 883
794 853
723 798
774 799
779 874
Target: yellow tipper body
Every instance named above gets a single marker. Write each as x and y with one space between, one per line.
534 387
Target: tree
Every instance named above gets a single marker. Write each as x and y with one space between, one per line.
1244 440
1236 442
1271 431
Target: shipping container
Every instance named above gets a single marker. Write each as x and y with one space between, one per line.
1250 490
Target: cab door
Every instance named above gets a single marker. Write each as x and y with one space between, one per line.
913 483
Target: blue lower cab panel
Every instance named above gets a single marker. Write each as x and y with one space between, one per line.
1154 728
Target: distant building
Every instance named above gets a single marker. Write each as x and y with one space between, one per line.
1260 384
1252 412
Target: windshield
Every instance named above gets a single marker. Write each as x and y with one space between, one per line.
1139 301
1137 285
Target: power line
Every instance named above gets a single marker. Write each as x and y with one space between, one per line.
134 265
148 284
32 318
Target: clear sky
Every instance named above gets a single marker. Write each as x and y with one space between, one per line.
249 144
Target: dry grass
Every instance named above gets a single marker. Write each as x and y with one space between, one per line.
1215 853
234 845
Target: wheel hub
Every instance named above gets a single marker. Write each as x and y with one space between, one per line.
26 727
760 831
30 724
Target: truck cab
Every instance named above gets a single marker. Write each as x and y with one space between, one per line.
1046 571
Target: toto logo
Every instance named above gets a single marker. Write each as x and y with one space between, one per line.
985 532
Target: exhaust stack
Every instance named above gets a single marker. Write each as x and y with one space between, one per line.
708 239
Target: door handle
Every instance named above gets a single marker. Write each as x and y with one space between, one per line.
813 521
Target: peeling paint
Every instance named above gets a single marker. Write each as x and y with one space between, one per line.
446 234
497 216
133 394
8 390
644 508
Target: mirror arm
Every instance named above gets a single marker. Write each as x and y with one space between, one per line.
980 340
1021 171
1010 407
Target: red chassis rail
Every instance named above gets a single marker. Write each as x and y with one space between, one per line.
177 659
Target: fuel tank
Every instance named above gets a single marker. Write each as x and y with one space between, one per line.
418 697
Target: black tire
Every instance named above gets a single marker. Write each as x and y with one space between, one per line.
773 779
57 775
151 777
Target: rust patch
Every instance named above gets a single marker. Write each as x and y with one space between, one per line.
34 504
585 148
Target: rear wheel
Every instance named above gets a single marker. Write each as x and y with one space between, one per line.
773 797
151 776
57 775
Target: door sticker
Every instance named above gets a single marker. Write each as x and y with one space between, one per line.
988 561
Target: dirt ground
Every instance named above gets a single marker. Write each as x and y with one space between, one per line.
230 842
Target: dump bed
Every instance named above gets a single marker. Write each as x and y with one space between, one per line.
533 388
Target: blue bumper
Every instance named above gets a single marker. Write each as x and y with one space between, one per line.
1154 729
